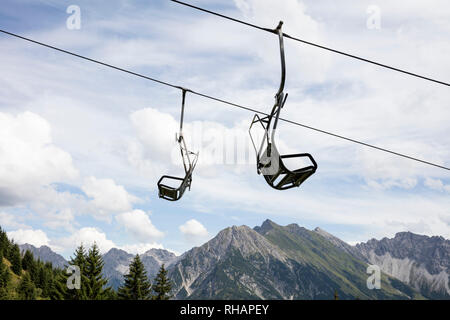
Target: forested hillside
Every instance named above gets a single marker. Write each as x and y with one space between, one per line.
22 277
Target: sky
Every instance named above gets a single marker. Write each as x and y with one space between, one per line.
82 146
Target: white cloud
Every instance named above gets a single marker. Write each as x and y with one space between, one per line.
156 130
86 236
138 225
35 237
28 158
89 235
193 230
436 184
151 152
140 248
107 196
9 220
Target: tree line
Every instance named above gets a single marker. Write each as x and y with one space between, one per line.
25 278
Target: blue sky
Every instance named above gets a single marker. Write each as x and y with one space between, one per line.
82 146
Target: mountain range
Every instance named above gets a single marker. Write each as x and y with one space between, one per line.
291 262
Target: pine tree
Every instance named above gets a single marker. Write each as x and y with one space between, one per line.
33 269
58 289
136 286
162 285
95 286
27 290
16 260
27 260
79 260
44 280
4 243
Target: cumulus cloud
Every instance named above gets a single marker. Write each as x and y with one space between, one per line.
107 196
156 130
90 235
139 226
86 236
193 230
150 153
35 237
28 157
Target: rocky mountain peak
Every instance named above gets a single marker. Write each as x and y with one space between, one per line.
265 227
116 252
46 254
323 232
242 238
161 256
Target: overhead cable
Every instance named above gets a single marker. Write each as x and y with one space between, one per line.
222 101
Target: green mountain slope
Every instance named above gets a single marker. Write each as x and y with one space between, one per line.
345 272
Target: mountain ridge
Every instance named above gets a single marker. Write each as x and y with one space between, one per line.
275 262
265 262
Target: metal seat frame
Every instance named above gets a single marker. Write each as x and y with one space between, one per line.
190 158
269 161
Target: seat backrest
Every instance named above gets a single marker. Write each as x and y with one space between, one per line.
168 193
269 163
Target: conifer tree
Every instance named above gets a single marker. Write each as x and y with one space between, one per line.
136 286
44 280
26 290
33 270
95 286
4 243
162 286
58 289
79 260
27 260
16 260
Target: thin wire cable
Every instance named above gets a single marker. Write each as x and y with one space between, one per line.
89 59
223 101
314 44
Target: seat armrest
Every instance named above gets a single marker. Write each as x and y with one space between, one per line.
299 155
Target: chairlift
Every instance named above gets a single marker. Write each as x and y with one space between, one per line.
167 190
269 161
